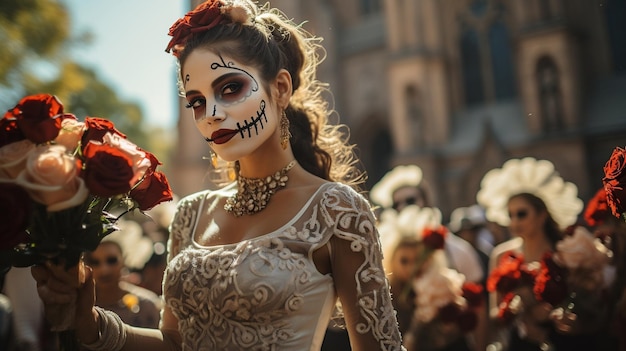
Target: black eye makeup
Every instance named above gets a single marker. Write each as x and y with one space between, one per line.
519 214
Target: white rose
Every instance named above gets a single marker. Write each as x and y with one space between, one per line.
13 158
581 250
51 178
435 289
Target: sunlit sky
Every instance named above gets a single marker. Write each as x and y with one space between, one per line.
129 39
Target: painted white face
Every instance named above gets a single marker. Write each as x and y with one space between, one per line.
231 108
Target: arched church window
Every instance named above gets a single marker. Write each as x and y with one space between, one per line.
471 64
549 90
502 62
414 115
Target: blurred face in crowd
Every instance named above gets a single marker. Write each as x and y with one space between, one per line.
406 196
526 220
403 261
106 262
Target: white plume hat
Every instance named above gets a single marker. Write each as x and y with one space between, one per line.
528 175
408 224
400 176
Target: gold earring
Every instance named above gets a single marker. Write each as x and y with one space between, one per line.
213 159
285 134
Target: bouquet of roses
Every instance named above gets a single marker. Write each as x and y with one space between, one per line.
572 278
62 180
446 305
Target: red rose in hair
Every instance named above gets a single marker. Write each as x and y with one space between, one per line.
550 283
15 215
473 294
434 238
614 181
153 189
37 116
597 209
107 170
204 17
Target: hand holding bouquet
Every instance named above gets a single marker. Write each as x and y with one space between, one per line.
60 181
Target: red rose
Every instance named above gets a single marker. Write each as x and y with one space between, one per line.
97 128
107 171
597 209
506 276
204 17
37 116
614 181
473 294
157 191
434 238
550 283
16 208
9 132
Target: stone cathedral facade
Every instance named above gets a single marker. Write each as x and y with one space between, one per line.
460 86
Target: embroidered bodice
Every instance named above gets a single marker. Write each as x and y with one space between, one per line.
266 293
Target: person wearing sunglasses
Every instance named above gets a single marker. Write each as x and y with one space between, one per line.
133 304
530 199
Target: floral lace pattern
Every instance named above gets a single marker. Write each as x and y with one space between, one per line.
235 297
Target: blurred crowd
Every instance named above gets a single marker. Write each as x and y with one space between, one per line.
528 266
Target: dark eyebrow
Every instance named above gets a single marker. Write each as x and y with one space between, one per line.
217 82
223 78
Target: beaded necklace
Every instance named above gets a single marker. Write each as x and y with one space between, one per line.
253 194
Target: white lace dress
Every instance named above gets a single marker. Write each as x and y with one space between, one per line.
266 293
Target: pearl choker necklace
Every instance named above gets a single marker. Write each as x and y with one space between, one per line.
253 194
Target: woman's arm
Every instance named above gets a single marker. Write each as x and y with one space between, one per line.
359 278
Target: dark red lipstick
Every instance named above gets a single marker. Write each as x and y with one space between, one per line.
222 136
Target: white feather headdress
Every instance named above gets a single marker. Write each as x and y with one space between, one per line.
400 176
408 224
528 175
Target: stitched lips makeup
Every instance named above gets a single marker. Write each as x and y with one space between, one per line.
222 136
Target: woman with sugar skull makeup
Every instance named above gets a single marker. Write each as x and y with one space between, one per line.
261 263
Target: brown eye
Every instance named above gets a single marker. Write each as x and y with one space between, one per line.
231 88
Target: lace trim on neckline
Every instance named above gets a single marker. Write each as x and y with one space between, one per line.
275 232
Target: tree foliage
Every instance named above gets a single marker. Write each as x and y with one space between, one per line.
37 40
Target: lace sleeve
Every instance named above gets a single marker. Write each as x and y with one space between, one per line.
359 278
181 227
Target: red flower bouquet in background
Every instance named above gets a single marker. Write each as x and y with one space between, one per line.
615 181
446 306
510 278
61 180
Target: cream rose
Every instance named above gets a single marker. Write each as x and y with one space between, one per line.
435 289
140 161
581 250
70 133
51 178
13 158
